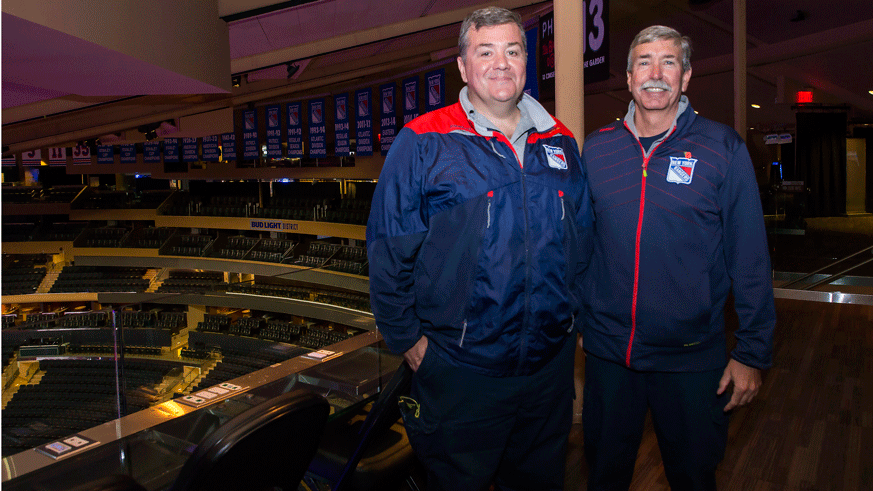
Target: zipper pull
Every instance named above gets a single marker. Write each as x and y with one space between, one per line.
645 164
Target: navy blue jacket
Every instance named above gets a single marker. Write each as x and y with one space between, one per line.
473 249
677 230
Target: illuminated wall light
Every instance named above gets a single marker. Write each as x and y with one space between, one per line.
870 92
756 106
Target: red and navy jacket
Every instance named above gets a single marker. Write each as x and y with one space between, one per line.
475 250
678 228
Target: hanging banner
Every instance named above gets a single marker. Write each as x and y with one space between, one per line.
33 157
128 154
388 122
317 129
251 148
57 156
364 122
274 133
210 149
596 47
228 147
596 54
189 150
436 89
547 57
151 152
531 87
105 154
81 154
10 160
295 131
341 125
410 99
171 150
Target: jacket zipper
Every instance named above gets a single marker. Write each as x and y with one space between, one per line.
488 211
522 334
463 334
645 175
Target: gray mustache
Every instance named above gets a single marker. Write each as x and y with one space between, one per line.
656 84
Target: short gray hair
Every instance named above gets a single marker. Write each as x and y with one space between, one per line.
489 16
662 33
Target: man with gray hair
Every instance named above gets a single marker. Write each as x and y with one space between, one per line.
679 228
478 234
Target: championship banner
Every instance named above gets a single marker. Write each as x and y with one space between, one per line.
128 154
210 149
33 157
388 122
531 87
57 156
364 122
189 150
10 160
596 41
171 150
105 154
317 129
228 147
274 133
341 125
251 149
151 152
295 131
410 99
436 89
596 47
81 154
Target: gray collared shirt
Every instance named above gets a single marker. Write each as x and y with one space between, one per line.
518 138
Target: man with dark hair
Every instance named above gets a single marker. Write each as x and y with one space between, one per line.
679 227
478 234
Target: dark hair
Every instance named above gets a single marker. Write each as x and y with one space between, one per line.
489 16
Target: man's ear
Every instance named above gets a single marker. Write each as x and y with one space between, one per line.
686 76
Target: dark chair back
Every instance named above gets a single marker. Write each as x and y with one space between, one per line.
267 446
384 414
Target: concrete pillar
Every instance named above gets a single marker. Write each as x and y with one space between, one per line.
569 82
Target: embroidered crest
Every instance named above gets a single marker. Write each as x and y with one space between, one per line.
681 170
556 157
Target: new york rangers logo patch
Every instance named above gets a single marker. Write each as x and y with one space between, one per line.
681 170
556 157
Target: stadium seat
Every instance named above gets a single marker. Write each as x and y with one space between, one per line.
266 447
376 456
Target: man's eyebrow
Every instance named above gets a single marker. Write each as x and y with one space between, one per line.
491 45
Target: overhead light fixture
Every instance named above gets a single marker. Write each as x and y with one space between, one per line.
236 80
870 92
291 68
756 106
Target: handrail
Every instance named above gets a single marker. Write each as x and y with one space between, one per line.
832 277
836 275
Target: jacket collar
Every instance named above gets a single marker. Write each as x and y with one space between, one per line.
683 116
529 107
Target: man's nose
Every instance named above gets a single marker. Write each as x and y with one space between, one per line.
500 60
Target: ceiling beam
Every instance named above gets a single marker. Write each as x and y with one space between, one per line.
358 38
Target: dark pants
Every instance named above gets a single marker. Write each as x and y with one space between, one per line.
688 417
472 430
